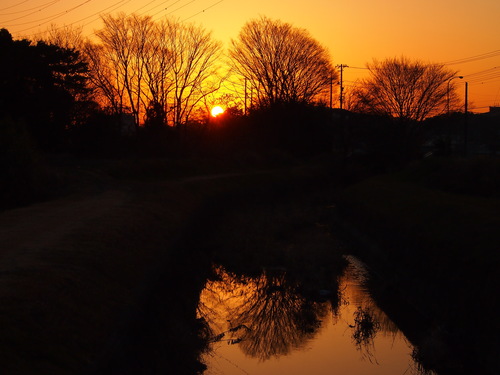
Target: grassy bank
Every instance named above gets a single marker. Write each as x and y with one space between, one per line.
439 249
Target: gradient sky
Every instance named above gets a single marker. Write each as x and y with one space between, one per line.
355 32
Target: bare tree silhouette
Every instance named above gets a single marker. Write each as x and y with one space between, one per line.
404 89
281 63
139 63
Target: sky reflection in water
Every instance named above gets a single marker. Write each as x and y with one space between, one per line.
268 325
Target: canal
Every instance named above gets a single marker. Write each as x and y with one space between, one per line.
263 281
272 323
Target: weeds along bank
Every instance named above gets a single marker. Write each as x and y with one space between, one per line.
437 249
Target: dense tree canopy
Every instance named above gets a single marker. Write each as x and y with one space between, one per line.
41 85
281 63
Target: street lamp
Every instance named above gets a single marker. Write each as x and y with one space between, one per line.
448 93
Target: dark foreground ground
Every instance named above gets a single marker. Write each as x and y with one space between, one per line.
106 278
436 251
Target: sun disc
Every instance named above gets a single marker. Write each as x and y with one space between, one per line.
217 110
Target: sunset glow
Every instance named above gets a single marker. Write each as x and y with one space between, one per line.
263 187
216 111
465 37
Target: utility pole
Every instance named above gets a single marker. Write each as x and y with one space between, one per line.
331 91
246 110
341 83
466 114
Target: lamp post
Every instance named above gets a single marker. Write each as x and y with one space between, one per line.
448 93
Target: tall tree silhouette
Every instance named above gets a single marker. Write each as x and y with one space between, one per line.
281 63
404 89
139 61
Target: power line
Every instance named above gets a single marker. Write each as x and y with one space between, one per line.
484 75
156 6
115 6
486 80
145 5
202 11
164 9
52 18
94 16
482 56
38 9
15 5
182 6
486 71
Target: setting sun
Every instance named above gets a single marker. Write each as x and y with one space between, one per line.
217 110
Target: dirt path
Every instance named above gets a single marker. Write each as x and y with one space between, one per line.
70 267
29 230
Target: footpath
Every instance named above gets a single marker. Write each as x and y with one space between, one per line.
72 268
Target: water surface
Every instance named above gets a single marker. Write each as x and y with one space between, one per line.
270 324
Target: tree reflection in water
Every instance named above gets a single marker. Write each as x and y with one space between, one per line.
267 315
273 314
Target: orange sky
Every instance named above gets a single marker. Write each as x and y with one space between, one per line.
355 32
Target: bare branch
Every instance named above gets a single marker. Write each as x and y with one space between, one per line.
281 63
404 89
